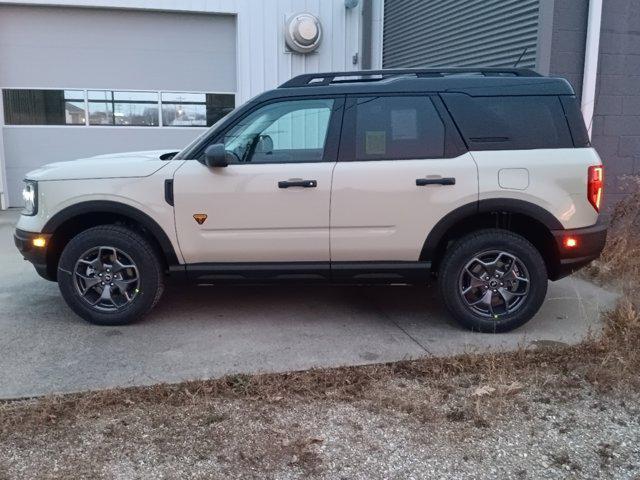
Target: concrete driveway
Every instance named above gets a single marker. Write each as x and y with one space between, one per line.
204 332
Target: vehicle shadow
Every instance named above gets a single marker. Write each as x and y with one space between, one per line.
306 303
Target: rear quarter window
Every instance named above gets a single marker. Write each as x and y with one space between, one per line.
510 123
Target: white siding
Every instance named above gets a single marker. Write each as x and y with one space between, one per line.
262 62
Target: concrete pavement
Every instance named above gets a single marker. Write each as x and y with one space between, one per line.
205 332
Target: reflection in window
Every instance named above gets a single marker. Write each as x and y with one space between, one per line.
194 109
398 128
44 107
114 108
123 108
287 131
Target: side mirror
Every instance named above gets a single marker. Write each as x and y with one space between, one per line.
216 156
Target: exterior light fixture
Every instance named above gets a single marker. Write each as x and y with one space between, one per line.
303 33
39 242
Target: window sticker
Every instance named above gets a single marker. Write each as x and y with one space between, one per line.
404 124
375 142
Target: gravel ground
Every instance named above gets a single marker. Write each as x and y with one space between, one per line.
560 426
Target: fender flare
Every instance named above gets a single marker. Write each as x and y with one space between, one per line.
106 206
493 205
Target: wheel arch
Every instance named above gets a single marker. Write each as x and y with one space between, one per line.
518 216
78 217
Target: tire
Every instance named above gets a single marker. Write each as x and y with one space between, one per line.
504 302
122 261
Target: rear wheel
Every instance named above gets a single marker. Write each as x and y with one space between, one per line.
493 281
110 275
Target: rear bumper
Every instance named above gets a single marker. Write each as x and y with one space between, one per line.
590 243
37 256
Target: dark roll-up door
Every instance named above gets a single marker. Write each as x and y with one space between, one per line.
460 33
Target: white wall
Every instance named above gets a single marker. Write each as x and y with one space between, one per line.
377 31
262 61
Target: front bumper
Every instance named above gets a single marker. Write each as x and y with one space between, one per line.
589 244
36 255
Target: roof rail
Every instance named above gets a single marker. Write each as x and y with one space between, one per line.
323 79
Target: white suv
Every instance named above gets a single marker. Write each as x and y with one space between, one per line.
483 179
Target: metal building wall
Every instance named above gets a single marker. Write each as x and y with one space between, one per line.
460 33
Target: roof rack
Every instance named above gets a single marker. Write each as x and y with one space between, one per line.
323 79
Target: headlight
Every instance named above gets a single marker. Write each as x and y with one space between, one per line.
30 197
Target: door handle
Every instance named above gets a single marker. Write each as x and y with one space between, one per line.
421 182
297 183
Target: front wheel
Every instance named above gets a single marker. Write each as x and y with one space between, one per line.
493 281
110 275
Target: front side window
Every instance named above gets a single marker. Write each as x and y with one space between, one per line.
290 131
396 128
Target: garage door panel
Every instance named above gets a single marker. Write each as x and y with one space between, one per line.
93 48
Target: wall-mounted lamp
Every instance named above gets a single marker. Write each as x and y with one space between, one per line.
303 33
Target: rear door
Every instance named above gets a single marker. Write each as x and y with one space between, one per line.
402 167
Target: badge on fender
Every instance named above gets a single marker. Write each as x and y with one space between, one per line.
200 217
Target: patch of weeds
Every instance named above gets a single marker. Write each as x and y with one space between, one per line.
563 460
606 454
239 384
214 418
304 455
481 422
457 414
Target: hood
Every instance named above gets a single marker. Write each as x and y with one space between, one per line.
117 165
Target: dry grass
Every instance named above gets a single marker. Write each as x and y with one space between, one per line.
620 260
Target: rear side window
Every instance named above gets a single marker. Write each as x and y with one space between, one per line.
510 123
396 128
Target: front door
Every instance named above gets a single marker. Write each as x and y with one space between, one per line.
271 203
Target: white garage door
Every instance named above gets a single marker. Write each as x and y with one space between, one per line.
116 53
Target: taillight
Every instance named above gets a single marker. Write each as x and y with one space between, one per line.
595 185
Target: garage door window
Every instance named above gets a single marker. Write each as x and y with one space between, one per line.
194 109
123 108
44 107
115 108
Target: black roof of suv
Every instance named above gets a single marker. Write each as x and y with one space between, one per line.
475 82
